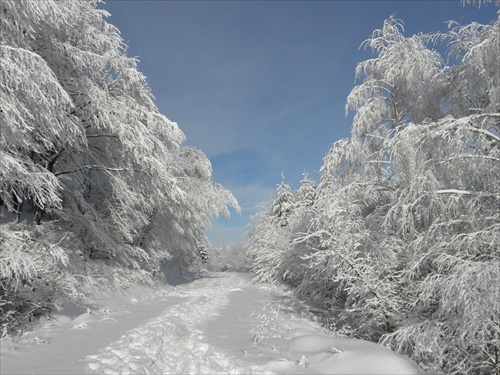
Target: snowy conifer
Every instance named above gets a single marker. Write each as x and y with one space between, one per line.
306 194
283 203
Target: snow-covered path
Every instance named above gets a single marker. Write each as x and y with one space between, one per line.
218 324
176 342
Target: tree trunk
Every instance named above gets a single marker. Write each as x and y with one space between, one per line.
38 215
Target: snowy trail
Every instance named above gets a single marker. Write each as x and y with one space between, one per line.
218 324
174 343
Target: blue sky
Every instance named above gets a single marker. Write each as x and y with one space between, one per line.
260 86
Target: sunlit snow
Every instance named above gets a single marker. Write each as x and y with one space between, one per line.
219 323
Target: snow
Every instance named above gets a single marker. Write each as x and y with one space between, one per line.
219 323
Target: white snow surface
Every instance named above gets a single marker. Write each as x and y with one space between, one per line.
220 323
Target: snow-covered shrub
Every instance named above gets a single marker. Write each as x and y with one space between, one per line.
33 275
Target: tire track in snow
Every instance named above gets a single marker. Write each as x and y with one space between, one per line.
174 342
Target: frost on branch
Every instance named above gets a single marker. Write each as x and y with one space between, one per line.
35 122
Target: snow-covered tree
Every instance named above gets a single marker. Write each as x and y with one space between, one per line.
400 84
201 199
306 194
447 219
402 240
271 236
101 134
35 120
283 203
82 141
271 247
404 82
269 244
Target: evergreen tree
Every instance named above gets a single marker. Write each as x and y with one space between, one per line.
283 203
306 194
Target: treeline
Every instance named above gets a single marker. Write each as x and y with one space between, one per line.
86 155
399 241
